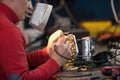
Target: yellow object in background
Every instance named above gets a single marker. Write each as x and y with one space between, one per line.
97 27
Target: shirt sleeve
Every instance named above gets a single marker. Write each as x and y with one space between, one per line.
14 60
37 57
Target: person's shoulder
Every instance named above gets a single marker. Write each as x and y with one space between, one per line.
9 29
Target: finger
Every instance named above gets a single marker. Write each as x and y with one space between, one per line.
56 35
62 40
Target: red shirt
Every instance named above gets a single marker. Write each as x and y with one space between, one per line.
15 63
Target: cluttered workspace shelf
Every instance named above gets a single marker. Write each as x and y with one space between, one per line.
103 63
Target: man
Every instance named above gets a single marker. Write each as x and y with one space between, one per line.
15 63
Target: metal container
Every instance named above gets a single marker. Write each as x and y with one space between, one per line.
87 48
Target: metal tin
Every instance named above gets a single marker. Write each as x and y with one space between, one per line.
87 48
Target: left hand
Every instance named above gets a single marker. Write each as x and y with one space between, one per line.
52 40
59 49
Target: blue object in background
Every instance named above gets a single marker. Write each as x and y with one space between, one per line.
93 9
85 9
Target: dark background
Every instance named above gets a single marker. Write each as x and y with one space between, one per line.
83 10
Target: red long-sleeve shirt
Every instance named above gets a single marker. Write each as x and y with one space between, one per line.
15 63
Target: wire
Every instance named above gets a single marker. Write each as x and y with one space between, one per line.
114 12
116 51
118 21
80 62
55 48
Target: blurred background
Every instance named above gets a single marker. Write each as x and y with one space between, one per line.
99 19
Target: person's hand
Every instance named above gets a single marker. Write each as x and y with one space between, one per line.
61 53
53 38
63 47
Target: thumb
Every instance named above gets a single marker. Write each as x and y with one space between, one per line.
56 35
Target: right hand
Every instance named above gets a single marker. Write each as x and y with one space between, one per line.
52 40
63 48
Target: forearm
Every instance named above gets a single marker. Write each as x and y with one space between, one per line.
37 57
